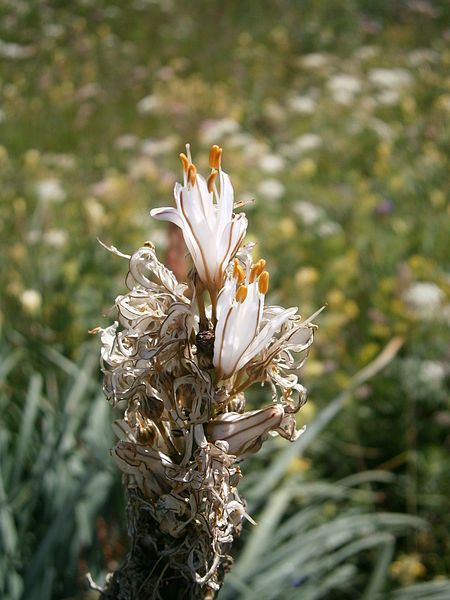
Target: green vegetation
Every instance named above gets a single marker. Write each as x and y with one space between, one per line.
333 116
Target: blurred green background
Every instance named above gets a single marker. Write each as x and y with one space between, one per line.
333 116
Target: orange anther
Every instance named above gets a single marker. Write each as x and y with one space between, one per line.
241 293
263 282
211 180
184 161
238 272
215 154
257 269
192 174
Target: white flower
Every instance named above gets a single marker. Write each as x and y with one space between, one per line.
217 129
344 87
302 104
271 189
50 190
314 61
307 141
240 334
394 79
308 212
425 298
148 104
31 301
211 231
271 163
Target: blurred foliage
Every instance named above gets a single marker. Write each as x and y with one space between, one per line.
334 118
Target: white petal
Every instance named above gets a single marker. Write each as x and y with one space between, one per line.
237 326
204 200
264 336
226 200
230 241
167 214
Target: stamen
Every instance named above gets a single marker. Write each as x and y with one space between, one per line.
211 180
192 174
238 272
184 161
257 269
215 155
263 282
241 293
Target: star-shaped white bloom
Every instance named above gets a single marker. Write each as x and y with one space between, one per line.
204 213
240 331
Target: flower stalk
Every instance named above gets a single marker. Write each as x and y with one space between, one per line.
177 369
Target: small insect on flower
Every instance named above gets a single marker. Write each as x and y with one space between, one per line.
204 213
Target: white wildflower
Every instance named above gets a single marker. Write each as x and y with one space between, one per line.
344 88
304 105
212 232
153 147
308 212
388 97
271 189
31 301
239 333
50 190
271 163
329 228
432 371
217 129
425 298
307 142
148 104
56 238
315 60
394 79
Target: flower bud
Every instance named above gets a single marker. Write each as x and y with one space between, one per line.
245 432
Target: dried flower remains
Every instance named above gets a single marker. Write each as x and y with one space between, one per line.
178 361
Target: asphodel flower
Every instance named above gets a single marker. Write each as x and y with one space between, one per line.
240 331
204 213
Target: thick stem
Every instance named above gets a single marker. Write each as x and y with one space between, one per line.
147 572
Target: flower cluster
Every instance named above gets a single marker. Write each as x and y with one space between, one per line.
179 360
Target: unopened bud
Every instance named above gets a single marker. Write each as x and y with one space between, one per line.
245 432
